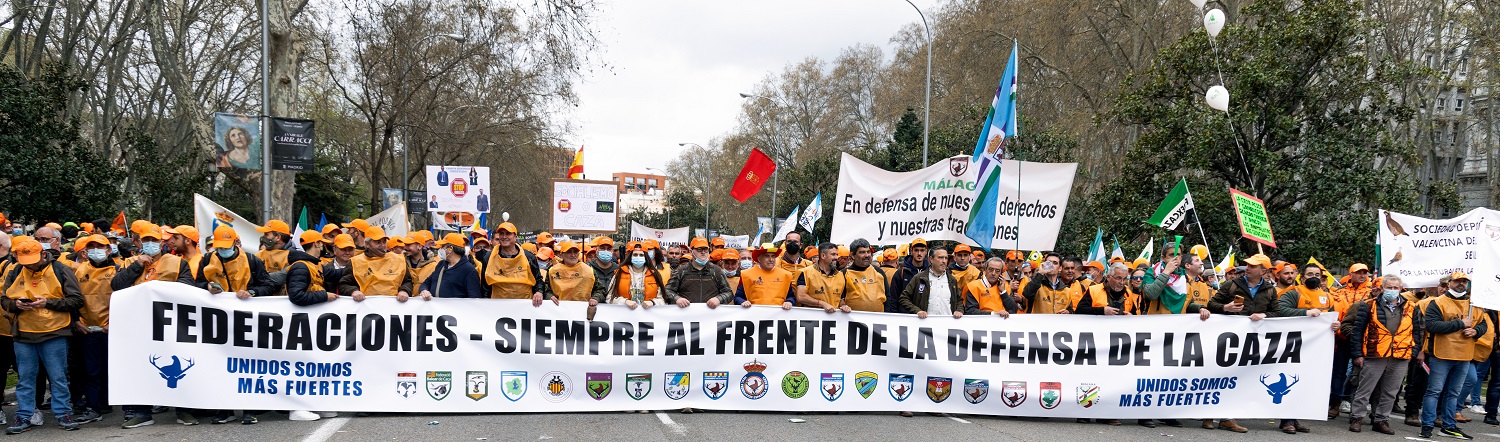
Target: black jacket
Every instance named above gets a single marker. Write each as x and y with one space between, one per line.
602 275
299 278
905 272
260 281
460 281
918 292
698 285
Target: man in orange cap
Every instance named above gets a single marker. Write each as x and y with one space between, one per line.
569 278
717 243
1056 287
545 239
330 231
1286 277
961 268
357 230
512 272
914 264
306 281
152 264
699 281
844 257
229 269
422 265
94 272
604 263
344 250
183 243
456 276
52 245
41 295
766 284
730 262
275 241
377 271
1252 294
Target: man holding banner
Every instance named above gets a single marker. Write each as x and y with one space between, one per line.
822 285
376 272
230 269
512 272
865 284
765 284
698 281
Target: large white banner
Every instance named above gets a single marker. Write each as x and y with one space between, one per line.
177 345
1422 251
585 206
666 237
392 220
208 215
740 242
458 189
887 207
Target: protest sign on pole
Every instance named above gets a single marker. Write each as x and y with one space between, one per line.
666 237
580 206
1255 224
888 208
1422 251
458 189
179 346
208 215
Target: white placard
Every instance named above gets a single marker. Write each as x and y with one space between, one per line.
458 189
208 215
585 206
665 237
887 208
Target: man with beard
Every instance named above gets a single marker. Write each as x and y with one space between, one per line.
906 269
822 284
791 254
1311 299
865 284
376 272
1452 327
961 269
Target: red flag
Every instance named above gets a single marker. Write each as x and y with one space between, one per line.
575 171
753 176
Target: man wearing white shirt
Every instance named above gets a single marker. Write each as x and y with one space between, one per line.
918 297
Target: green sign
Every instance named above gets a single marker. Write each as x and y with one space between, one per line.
1254 223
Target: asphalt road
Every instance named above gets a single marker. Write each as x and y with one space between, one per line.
716 425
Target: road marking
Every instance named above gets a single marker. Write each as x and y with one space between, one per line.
327 430
674 426
1418 439
1491 434
959 420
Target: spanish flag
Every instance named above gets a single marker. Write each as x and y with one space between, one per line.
576 170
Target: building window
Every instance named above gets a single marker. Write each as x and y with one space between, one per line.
1442 103
629 180
1458 105
651 182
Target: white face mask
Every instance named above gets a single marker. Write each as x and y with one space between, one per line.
746 264
442 254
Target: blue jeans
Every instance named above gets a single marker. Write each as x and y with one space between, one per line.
1475 395
1445 381
52 355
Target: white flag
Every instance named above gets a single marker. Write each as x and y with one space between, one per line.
787 226
1149 250
208 215
813 213
392 220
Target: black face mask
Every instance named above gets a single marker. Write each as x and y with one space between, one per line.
268 243
793 247
1314 283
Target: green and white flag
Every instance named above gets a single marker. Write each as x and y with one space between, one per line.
1174 208
1148 251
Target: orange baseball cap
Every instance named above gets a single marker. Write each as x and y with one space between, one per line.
843 251
153 232
395 241
633 245
1259 259
224 237
567 246
979 254
506 227
28 251
277 226
730 254
961 248
651 244
136 226
87 227
918 242
311 236
1458 275
423 236
698 242
330 228
1096 264
1358 267
604 240
530 247
888 254
810 252
93 239
717 241
343 241
452 239
544 253
375 232
544 237
188 231
1015 255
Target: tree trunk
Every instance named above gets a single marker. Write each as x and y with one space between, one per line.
285 56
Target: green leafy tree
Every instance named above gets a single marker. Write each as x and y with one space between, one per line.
1309 123
47 170
166 194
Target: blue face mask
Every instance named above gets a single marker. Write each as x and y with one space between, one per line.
746 264
152 248
226 253
700 262
114 249
637 261
606 256
98 255
1390 294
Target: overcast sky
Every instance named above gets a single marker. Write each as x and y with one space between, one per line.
674 69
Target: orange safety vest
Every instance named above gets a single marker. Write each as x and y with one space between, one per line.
509 278
94 283
43 284
824 287
1100 299
314 276
419 274
1380 342
622 285
571 283
379 276
164 268
275 260
766 287
989 298
865 290
233 276
1454 346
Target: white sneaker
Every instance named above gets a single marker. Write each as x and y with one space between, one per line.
36 418
327 414
1477 409
1344 407
303 415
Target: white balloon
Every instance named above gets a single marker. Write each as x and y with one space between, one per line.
1218 98
504 216
1199 3
1213 21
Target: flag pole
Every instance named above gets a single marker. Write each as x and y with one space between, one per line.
1196 219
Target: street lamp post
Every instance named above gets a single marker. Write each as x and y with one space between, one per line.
709 180
405 164
927 105
776 175
665 207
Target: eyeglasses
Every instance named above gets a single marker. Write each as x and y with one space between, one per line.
1137 278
